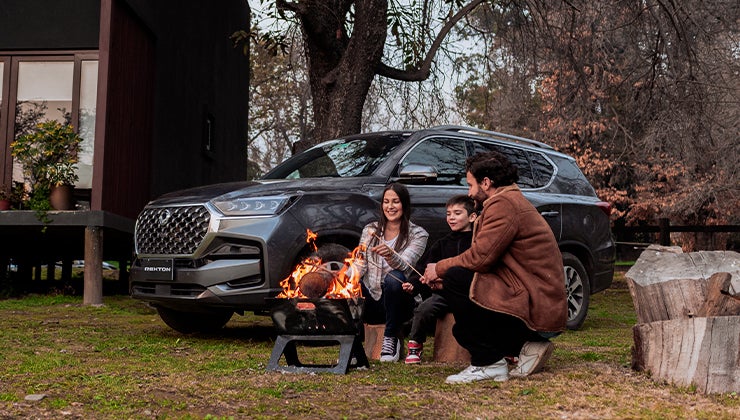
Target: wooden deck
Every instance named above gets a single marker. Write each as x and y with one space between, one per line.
93 236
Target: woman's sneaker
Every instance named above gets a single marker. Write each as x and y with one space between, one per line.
391 350
414 355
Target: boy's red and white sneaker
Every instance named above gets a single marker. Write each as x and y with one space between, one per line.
414 355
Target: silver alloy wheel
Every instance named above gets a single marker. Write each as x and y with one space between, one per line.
574 291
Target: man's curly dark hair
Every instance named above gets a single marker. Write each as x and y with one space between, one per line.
494 166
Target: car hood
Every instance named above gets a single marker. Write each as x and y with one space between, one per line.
259 188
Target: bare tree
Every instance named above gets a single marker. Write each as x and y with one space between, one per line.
280 104
345 44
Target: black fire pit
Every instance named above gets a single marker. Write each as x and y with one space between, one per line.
320 322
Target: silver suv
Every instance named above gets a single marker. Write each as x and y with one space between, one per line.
206 253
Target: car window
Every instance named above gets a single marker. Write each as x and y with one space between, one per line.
446 156
337 158
543 169
517 156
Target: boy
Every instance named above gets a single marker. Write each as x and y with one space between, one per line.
460 217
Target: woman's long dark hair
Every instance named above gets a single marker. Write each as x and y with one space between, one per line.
403 195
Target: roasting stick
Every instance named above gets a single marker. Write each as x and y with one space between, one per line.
399 255
389 274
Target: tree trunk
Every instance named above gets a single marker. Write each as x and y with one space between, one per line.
341 66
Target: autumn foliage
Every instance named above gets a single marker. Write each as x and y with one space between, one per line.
644 96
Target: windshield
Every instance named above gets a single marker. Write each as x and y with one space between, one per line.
338 158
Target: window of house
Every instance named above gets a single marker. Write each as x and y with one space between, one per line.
44 88
86 128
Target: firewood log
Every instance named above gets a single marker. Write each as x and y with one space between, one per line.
316 284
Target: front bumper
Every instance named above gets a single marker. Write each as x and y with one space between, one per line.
235 283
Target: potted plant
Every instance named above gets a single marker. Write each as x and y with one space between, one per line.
4 200
49 158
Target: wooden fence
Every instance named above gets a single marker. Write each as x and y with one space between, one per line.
636 238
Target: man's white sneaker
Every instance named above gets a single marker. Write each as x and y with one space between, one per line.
532 358
498 371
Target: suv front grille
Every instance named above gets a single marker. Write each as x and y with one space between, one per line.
171 230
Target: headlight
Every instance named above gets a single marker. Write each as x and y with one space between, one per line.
251 206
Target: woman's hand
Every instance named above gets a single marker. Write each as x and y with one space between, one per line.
383 250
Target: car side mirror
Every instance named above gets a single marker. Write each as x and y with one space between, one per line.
417 174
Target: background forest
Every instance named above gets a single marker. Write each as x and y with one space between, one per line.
644 94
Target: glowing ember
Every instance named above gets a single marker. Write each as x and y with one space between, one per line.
341 284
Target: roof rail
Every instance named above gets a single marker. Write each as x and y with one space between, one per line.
494 134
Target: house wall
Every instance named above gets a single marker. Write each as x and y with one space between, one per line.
124 121
202 82
45 25
172 89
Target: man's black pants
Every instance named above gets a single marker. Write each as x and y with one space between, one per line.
489 336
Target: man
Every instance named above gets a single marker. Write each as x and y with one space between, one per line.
516 298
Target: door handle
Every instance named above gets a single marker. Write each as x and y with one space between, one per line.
549 213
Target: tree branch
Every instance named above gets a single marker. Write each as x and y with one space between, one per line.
422 70
293 6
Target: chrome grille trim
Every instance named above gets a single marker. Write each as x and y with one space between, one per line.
171 230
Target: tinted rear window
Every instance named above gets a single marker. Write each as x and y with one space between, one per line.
527 178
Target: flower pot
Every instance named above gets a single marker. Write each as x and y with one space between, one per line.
61 198
4 204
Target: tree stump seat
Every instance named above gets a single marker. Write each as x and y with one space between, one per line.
446 347
373 342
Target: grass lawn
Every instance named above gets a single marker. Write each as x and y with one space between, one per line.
121 361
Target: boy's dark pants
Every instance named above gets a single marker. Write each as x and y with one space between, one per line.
487 335
426 315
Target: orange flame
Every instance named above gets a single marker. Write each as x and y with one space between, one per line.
346 281
311 239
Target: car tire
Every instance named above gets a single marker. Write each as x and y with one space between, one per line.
577 289
194 322
332 255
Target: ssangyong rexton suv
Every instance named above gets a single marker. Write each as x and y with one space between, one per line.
206 253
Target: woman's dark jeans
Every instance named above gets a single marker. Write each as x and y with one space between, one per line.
394 307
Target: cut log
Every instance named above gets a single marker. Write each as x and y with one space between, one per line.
688 330
668 284
700 352
659 263
446 347
373 340
718 302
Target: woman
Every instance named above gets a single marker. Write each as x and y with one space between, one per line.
393 247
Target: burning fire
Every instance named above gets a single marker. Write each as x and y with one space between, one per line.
341 284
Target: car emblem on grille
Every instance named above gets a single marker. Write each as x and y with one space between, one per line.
164 217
